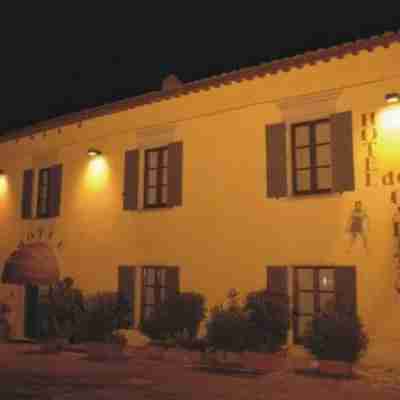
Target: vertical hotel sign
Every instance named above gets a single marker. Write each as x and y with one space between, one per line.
376 177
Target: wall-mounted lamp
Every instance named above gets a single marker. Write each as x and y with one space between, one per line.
93 152
392 98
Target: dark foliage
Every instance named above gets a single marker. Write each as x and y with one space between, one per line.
336 336
180 315
269 320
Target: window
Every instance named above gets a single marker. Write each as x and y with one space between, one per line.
43 205
156 178
158 284
311 150
314 291
49 192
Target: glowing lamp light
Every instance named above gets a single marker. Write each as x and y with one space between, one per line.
392 98
93 152
389 116
3 183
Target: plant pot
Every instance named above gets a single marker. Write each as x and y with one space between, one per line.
264 361
176 355
105 351
155 353
335 368
53 345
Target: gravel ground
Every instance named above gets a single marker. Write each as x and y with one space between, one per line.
71 376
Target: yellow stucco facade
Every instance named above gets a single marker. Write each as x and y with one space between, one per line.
226 231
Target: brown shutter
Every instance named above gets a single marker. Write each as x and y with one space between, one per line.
345 281
55 179
172 280
175 162
131 180
277 280
27 193
126 289
276 161
342 152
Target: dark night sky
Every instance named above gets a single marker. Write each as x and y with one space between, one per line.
59 60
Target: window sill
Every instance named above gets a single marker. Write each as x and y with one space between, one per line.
294 197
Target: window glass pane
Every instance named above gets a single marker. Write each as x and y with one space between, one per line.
305 279
323 155
306 303
303 324
323 132
43 191
303 181
149 277
165 176
302 135
44 177
327 301
303 158
151 196
326 279
324 178
165 157
161 276
163 294
164 195
149 295
147 312
152 177
42 206
152 159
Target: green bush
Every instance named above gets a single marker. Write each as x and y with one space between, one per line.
65 309
228 327
103 315
336 336
179 315
269 320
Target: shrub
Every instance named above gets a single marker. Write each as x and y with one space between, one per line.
268 319
336 336
102 316
228 327
179 315
64 309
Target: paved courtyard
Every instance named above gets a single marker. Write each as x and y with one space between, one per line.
71 376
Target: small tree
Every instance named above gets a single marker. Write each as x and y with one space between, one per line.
268 319
228 327
66 307
178 316
336 336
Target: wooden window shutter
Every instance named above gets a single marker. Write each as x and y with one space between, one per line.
175 167
277 280
342 152
27 193
126 289
55 180
172 280
345 281
276 161
131 180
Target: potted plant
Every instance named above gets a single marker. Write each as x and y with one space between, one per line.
174 320
227 331
102 316
337 340
64 311
269 318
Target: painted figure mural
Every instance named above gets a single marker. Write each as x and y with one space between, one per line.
358 225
